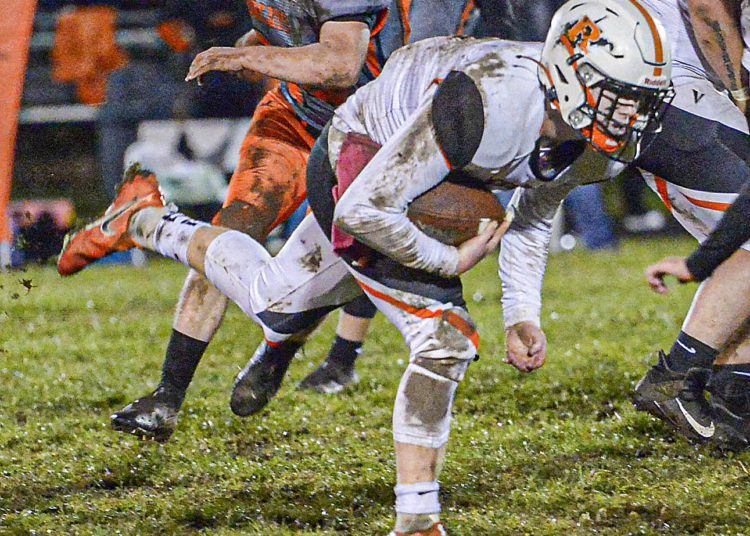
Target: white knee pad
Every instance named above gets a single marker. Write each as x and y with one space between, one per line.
422 412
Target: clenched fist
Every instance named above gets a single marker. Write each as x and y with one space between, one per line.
525 346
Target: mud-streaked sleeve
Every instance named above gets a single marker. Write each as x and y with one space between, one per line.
524 248
523 252
348 9
373 209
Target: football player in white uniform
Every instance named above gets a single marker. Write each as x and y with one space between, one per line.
698 164
720 52
497 113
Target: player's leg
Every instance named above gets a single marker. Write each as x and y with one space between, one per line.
720 306
697 178
337 371
307 280
430 313
267 186
287 294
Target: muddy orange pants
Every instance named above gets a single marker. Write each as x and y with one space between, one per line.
270 180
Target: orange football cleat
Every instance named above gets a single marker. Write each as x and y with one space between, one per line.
108 234
438 529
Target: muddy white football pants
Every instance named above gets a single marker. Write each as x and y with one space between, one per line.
289 293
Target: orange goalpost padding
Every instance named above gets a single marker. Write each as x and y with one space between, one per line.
16 25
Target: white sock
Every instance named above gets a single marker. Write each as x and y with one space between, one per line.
165 231
143 224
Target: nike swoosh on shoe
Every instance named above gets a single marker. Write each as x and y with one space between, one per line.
106 219
701 430
109 218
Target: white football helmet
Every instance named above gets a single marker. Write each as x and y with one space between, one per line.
608 71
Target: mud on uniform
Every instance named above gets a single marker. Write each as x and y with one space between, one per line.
701 159
270 176
410 21
411 110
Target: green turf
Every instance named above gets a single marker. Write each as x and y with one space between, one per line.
560 451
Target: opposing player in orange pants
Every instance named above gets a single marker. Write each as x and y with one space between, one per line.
321 50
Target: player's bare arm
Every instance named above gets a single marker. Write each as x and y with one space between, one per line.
717 31
333 62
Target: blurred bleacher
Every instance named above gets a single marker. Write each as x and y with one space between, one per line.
56 149
48 101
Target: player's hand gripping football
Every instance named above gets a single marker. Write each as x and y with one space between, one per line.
674 266
227 59
475 249
525 346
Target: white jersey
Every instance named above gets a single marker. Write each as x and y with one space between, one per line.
686 63
413 73
695 84
396 110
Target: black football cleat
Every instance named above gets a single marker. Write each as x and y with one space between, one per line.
330 378
689 412
730 404
659 385
260 380
153 417
732 430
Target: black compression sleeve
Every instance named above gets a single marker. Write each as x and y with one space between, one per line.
732 231
458 118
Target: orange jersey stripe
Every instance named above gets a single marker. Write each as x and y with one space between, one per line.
453 319
713 205
380 24
468 9
661 187
373 63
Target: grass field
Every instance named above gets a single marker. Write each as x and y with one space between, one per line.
560 451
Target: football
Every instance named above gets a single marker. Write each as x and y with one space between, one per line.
455 210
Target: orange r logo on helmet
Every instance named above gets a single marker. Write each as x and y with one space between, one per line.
584 31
